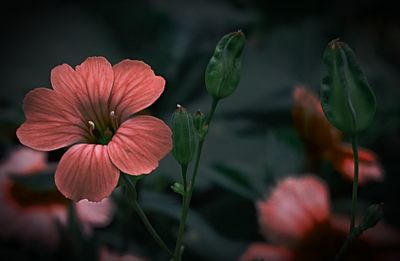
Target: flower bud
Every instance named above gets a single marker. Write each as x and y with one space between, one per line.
346 98
199 123
223 70
183 136
178 188
372 216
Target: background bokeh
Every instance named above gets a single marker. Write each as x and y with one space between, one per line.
252 143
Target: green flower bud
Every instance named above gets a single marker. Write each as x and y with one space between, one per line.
372 216
346 98
199 123
178 188
223 70
183 136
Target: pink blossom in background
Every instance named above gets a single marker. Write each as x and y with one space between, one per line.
29 216
297 222
107 255
324 142
90 108
25 162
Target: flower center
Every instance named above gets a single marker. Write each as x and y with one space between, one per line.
103 135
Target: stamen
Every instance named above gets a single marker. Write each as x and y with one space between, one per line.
91 127
113 120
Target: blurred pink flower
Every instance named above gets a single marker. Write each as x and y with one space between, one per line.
29 215
324 142
107 255
90 108
297 221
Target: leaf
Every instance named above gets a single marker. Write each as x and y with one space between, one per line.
200 237
234 181
38 182
346 98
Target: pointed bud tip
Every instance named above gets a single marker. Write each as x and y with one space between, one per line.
180 108
334 44
373 215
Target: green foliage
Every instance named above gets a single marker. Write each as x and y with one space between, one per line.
235 181
346 98
38 182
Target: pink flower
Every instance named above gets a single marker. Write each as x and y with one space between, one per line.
324 142
297 221
29 215
90 108
107 255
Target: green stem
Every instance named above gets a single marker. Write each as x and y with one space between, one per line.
177 253
212 111
188 194
143 216
342 250
184 171
353 232
355 183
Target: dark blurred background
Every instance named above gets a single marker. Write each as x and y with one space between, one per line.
253 135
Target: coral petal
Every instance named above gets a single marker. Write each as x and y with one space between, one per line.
86 172
139 144
49 124
87 89
50 136
135 88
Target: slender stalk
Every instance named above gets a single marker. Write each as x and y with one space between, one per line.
188 194
143 216
212 111
353 232
177 253
184 171
355 183
343 248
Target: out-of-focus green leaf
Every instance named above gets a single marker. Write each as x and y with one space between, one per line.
200 237
37 182
234 180
346 98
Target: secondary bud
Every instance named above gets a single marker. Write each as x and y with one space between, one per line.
223 70
183 135
199 123
372 216
178 188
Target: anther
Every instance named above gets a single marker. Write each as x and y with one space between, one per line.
91 127
114 122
